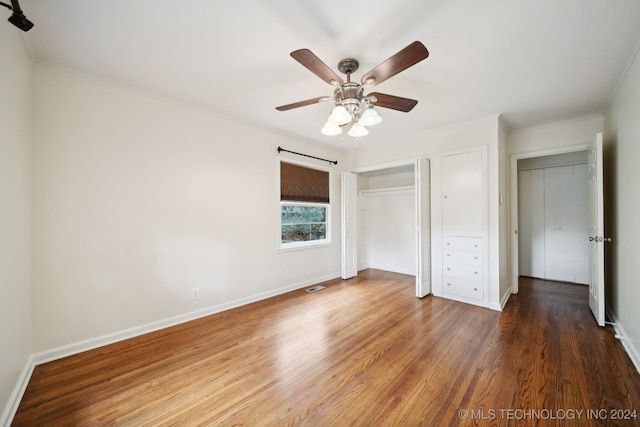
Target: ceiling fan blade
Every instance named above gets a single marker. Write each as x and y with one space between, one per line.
402 60
303 103
393 102
316 66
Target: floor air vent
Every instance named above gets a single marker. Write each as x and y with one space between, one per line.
315 289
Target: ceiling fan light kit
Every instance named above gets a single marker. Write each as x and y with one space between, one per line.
351 103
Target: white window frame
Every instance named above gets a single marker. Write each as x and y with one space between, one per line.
308 243
284 247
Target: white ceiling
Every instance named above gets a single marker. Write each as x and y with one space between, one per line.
534 61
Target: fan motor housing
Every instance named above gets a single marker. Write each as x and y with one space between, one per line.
347 91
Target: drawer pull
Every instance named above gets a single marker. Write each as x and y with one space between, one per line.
448 243
448 254
475 257
475 272
475 289
448 284
448 268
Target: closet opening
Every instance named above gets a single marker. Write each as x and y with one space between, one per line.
387 219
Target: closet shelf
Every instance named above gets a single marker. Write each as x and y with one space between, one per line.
388 190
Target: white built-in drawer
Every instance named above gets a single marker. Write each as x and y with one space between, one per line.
464 257
463 288
462 243
463 271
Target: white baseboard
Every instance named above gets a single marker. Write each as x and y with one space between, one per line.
632 351
16 395
499 306
92 343
504 299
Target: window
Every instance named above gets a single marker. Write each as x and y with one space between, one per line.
302 222
304 206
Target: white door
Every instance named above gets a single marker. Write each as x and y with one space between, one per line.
581 223
559 251
463 194
596 231
349 225
531 223
423 240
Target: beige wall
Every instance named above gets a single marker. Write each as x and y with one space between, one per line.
137 200
15 215
555 136
622 205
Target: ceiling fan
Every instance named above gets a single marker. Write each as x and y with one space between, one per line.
351 103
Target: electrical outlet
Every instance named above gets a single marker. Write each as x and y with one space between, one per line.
195 294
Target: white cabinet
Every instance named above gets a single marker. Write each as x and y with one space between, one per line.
462 194
463 267
455 288
463 262
471 258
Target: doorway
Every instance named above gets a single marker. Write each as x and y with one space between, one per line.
553 217
386 221
535 265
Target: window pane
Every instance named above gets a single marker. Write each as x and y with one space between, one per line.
303 232
317 232
303 214
303 223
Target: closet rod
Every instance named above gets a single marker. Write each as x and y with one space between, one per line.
335 162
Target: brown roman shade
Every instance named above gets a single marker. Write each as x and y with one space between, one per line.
301 184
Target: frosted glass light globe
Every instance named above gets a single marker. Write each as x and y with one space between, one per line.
370 118
331 129
340 115
357 130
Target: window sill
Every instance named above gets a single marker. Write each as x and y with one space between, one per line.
303 246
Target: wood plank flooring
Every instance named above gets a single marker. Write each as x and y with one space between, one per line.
362 352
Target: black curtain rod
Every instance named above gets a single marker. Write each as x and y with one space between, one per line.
334 162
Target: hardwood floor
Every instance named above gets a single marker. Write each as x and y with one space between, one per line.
362 352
